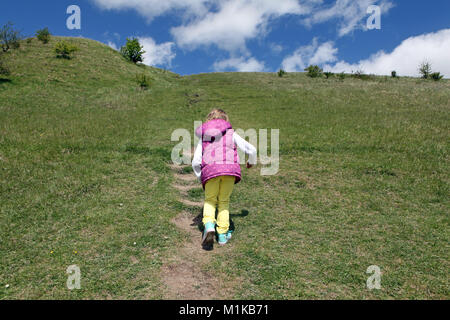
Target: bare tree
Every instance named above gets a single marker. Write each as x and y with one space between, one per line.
9 38
425 69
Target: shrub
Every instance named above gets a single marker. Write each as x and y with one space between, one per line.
361 75
143 81
425 69
342 76
132 50
281 73
314 71
43 35
29 40
64 49
328 74
436 76
394 74
358 74
9 38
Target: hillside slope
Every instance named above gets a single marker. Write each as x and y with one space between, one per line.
85 179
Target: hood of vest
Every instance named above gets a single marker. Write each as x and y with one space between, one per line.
212 129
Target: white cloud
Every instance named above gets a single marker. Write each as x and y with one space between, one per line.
235 22
310 54
405 59
157 54
351 14
113 45
154 8
229 24
109 35
239 64
276 48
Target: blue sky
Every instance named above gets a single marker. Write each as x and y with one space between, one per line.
197 36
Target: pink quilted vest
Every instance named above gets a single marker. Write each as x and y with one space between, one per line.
219 153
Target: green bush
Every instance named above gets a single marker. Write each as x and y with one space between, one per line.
281 73
436 76
425 69
43 35
132 50
328 74
143 81
64 49
9 38
394 74
342 76
314 71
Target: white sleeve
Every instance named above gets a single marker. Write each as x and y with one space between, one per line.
246 147
197 161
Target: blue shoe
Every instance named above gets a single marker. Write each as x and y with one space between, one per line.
229 234
208 234
222 238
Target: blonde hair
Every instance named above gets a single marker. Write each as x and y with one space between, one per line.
217 114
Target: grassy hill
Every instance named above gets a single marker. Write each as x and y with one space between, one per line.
85 179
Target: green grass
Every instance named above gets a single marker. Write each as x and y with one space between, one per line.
363 180
196 194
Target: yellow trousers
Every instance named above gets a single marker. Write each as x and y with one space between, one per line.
217 193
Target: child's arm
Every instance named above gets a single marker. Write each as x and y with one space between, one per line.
197 161
247 148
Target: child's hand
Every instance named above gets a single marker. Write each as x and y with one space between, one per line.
249 165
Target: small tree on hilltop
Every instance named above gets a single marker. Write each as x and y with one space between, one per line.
43 35
133 51
281 73
314 71
9 38
425 69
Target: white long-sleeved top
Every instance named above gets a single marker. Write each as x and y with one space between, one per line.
240 143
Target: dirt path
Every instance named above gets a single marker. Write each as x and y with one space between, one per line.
184 273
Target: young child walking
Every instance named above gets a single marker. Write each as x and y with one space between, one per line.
216 164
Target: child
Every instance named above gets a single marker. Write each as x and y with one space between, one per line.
216 165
